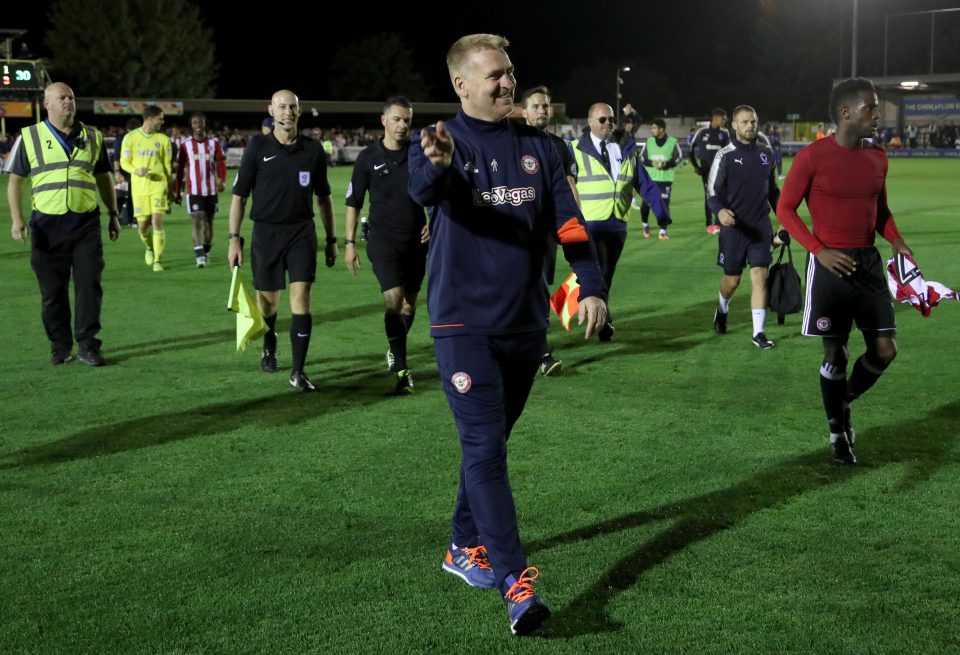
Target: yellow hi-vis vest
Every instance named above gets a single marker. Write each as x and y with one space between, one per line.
62 182
602 197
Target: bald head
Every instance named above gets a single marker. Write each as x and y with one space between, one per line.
60 104
285 109
600 120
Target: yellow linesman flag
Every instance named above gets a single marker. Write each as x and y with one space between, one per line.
250 323
566 301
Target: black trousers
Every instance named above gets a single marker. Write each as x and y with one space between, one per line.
711 219
609 247
53 257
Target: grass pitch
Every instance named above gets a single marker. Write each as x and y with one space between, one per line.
673 486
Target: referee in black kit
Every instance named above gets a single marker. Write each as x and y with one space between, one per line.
283 170
397 245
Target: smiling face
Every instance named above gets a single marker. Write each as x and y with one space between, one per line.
285 109
486 85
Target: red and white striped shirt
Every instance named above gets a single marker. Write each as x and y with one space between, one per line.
202 162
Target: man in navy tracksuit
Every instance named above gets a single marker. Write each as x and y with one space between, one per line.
741 190
704 146
495 189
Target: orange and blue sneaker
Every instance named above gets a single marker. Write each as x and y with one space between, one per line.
524 608
471 564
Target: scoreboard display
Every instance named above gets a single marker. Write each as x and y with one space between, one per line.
19 75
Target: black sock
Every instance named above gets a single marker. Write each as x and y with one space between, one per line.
270 338
207 245
833 387
300 325
198 251
865 373
408 320
397 337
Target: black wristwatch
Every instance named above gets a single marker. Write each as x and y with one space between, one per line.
331 240
233 235
113 212
348 242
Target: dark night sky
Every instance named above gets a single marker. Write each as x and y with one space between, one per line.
687 55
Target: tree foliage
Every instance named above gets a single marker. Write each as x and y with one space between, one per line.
375 68
132 48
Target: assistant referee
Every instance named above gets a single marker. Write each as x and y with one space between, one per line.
283 170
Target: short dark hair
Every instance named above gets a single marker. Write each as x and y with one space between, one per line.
200 115
659 122
151 111
132 124
718 111
396 101
742 108
532 92
847 93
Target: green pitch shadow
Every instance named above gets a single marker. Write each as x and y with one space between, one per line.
699 518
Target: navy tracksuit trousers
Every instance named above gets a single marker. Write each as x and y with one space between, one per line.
487 380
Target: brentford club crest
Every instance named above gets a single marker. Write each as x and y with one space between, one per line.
530 164
823 323
461 381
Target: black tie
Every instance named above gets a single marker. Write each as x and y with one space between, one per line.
603 154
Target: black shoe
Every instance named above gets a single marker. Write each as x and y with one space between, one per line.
90 356
550 366
299 380
762 342
606 332
58 357
404 383
268 361
841 451
719 321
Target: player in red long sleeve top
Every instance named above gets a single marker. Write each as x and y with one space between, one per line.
843 180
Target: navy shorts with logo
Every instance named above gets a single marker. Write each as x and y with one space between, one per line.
208 204
397 262
744 244
833 303
280 249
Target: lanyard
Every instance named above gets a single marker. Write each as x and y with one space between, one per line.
56 133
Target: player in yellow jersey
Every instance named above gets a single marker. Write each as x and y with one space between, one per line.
147 157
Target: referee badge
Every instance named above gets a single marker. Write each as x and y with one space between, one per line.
304 178
530 164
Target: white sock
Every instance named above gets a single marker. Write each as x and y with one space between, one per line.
724 304
759 316
834 438
646 226
663 231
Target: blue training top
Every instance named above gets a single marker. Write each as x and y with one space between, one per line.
491 212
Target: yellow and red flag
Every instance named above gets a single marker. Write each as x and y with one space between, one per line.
250 323
566 301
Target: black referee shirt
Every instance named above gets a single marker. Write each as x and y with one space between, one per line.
384 174
283 178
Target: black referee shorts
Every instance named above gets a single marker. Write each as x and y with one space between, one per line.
397 262
833 303
208 204
279 249
742 245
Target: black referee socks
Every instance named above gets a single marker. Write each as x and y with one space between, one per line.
300 325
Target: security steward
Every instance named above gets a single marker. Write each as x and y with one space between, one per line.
606 180
283 170
397 243
67 166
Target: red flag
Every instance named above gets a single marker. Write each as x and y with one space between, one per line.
566 301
